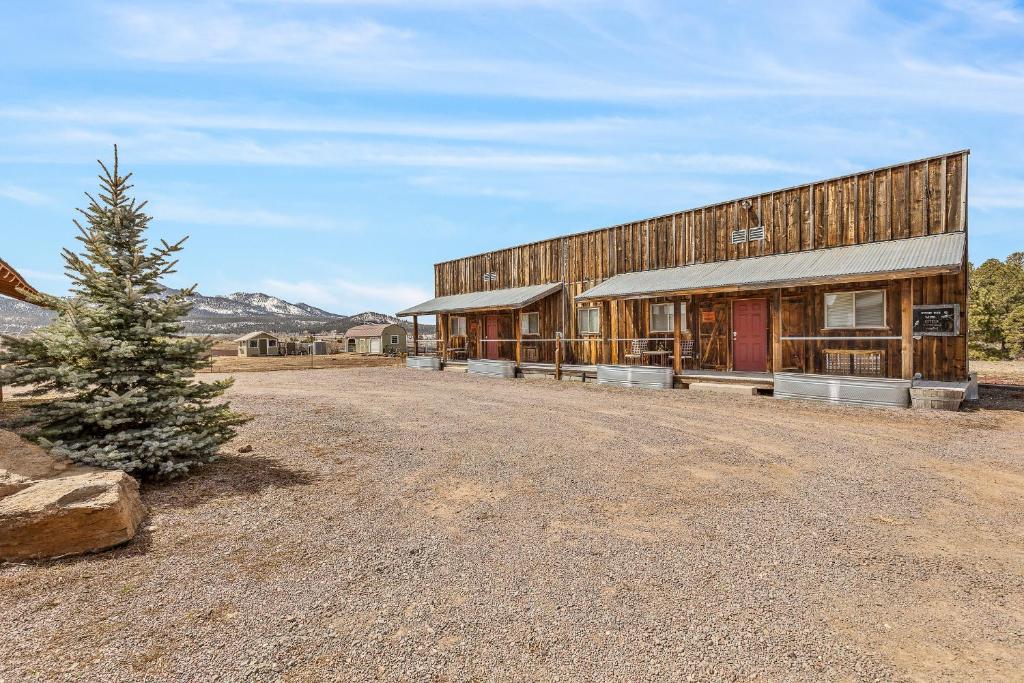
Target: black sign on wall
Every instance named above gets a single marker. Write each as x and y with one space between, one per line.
941 320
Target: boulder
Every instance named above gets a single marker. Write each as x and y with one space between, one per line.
68 515
12 483
26 459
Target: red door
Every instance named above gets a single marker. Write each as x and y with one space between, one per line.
491 348
750 335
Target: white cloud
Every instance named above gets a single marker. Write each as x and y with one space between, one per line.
24 195
184 211
997 194
208 35
348 296
187 115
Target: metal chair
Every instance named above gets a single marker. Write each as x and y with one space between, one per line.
636 351
686 351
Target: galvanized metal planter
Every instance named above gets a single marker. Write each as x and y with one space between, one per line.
492 368
423 362
864 391
637 376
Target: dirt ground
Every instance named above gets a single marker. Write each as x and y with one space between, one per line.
268 363
999 371
392 524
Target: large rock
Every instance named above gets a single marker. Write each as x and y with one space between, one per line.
26 459
11 483
68 515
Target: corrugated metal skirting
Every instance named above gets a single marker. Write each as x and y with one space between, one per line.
864 391
635 376
423 362
492 368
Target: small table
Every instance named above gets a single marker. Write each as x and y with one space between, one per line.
660 356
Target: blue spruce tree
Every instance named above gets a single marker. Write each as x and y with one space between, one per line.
114 373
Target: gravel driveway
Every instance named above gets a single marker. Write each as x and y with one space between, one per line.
402 525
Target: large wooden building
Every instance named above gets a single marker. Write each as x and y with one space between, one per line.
861 275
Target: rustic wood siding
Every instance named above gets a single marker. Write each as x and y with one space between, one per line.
924 197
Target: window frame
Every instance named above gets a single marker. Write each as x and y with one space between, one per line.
855 293
456 333
394 339
588 309
671 318
524 327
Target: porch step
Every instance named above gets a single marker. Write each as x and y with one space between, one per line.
759 382
727 387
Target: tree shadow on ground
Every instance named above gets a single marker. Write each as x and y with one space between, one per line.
231 476
999 397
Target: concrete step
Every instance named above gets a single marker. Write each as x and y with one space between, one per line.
725 388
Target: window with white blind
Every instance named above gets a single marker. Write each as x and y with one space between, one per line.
661 318
589 320
845 310
457 327
529 323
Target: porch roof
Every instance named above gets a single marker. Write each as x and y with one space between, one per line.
513 297
904 257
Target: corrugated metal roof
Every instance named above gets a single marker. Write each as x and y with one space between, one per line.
369 330
514 297
934 252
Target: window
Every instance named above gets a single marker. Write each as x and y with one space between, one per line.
855 309
271 342
529 323
457 327
254 344
394 339
589 320
661 318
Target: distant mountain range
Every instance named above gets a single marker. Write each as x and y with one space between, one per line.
236 313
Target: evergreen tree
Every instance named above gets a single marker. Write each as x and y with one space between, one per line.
996 307
114 371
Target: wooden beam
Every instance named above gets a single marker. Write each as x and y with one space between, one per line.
614 322
677 338
415 335
443 322
776 327
558 355
907 328
605 350
517 320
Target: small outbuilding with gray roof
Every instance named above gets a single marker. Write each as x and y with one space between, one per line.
376 339
259 343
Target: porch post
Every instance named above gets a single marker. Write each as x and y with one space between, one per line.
606 352
558 355
907 328
442 323
415 336
613 319
677 338
482 330
777 331
517 321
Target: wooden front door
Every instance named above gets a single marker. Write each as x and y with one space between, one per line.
750 335
491 348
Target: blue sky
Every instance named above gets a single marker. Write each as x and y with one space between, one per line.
332 151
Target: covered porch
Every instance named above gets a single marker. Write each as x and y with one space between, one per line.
521 325
845 311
